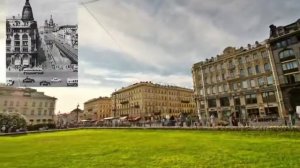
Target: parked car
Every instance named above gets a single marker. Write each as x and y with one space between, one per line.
10 82
45 83
55 80
28 80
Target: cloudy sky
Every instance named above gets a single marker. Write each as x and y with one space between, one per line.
125 41
42 9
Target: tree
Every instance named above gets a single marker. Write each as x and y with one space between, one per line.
12 120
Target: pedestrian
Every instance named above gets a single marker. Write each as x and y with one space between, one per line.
3 128
212 120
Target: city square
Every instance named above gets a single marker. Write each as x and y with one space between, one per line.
151 148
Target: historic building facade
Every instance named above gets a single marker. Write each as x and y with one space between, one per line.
285 53
146 99
22 39
239 82
35 106
98 108
258 81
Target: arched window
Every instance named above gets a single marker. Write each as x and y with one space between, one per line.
17 37
286 53
25 37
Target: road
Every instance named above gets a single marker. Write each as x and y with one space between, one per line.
47 76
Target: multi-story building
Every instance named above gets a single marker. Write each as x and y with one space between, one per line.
146 99
98 108
73 117
262 80
35 106
239 82
285 53
68 34
22 39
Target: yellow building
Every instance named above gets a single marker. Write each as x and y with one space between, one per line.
146 99
98 108
35 106
240 82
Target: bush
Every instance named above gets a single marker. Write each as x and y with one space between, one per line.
12 121
38 126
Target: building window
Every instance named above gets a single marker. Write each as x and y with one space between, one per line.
221 88
267 67
17 37
250 71
11 103
45 112
225 86
245 84
270 80
41 104
40 112
24 37
208 90
251 99
224 101
261 81
264 54
249 58
242 72
212 103
290 67
293 78
235 87
269 97
214 89
237 101
257 70
286 54
252 83
5 103
32 112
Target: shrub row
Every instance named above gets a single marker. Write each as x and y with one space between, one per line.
38 126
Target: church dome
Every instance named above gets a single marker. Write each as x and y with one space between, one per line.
27 11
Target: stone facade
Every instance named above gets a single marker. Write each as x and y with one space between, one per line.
98 108
33 105
260 81
146 99
285 50
239 82
22 39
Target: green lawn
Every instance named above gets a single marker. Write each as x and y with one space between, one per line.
151 148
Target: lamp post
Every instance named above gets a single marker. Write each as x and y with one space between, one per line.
77 111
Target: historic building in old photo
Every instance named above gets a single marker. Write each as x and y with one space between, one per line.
22 39
259 81
147 99
35 106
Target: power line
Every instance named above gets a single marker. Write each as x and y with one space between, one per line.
99 22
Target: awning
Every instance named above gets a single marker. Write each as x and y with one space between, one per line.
108 118
123 118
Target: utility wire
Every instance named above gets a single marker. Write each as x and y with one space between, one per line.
100 23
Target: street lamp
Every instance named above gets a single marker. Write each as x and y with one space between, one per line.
77 111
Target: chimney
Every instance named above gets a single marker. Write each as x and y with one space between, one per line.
273 30
249 46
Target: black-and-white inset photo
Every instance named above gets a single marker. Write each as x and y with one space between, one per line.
42 43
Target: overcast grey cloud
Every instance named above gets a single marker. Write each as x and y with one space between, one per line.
126 41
